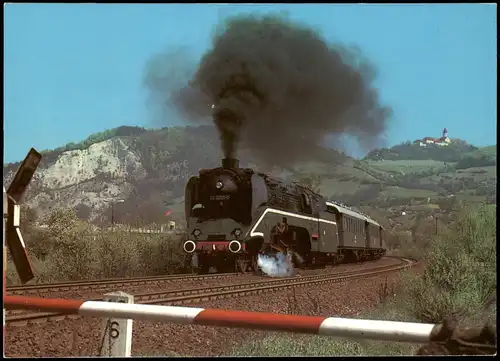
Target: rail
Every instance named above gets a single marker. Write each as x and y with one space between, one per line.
183 296
104 283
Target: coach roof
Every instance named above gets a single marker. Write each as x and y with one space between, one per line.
347 211
352 213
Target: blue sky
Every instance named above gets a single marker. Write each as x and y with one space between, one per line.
73 70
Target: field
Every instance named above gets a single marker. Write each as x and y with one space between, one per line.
408 166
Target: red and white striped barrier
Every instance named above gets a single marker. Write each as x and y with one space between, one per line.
327 326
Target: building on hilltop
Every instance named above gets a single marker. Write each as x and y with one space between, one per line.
443 141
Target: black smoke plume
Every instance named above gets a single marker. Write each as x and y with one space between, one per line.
278 88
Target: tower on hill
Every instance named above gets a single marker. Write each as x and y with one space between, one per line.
443 141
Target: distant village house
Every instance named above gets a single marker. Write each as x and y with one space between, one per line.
443 141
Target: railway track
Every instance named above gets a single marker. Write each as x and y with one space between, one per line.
108 283
185 296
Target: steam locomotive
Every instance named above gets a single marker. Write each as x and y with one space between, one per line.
232 215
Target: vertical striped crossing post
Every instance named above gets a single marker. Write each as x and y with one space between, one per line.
116 334
5 214
12 200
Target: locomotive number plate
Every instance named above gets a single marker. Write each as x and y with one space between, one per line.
219 198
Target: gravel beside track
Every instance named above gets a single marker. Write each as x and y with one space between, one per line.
181 288
136 285
80 337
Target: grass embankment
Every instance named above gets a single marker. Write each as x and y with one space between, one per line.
459 279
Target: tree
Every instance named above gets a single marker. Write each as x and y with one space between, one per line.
83 211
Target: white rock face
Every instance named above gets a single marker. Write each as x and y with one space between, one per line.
73 167
92 176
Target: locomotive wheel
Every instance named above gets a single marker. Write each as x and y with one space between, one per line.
255 267
241 266
298 260
203 268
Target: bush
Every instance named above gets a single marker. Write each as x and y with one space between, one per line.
72 249
117 255
460 277
161 255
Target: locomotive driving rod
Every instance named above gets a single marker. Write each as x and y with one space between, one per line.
326 326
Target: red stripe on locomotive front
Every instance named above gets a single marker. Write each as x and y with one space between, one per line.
220 245
225 243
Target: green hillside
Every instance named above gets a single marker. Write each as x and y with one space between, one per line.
405 176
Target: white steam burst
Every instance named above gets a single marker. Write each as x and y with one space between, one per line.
279 266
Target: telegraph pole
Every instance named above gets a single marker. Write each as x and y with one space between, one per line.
113 217
113 213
